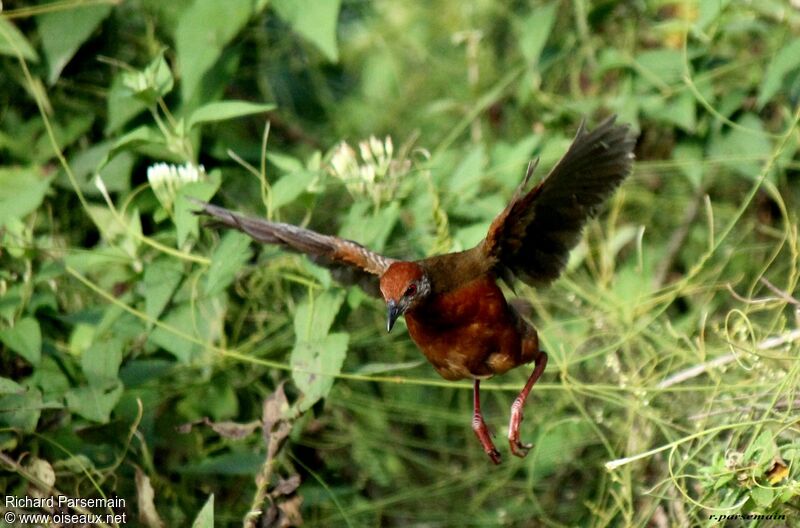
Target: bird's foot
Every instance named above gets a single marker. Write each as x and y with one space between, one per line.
485 438
517 447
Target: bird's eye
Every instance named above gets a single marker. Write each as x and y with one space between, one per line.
411 290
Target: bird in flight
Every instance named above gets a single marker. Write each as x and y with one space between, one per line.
454 309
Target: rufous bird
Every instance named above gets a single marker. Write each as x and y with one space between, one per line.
455 311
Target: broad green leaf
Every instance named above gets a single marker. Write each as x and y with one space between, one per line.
314 20
786 60
315 351
137 137
463 183
161 278
660 67
116 173
24 338
232 253
285 162
223 110
315 315
289 187
314 364
689 157
179 318
742 150
763 497
101 361
22 190
679 110
21 411
94 403
370 229
12 41
9 386
64 31
122 106
533 32
203 31
205 519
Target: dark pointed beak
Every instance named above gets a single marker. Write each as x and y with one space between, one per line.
392 313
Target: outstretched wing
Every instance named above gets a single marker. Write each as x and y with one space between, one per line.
532 237
349 262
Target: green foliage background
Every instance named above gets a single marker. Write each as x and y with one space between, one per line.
141 353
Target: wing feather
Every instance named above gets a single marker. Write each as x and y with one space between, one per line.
532 237
349 262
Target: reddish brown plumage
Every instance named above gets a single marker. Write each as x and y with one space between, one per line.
454 310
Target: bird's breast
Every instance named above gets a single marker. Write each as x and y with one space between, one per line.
468 332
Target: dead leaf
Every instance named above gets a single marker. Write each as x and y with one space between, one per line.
148 515
778 471
233 430
45 477
286 486
290 512
275 426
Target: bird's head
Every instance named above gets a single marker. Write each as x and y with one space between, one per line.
403 286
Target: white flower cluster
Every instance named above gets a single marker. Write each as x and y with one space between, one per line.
165 180
375 175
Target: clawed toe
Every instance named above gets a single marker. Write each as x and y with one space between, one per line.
519 449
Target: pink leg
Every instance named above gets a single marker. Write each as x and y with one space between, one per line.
518 448
479 426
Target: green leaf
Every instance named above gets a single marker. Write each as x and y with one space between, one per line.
689 158
370 229
786 60
661 67
8 386
228 258
310 359
122 106
316 351
21 411
101 361
742 150
763 497
24 338
534 30
315 315
161 278
205 519
12 41
64 31
223 110
203 31
94 403
137 137
314 20
179 318
465 180
22 190
289 187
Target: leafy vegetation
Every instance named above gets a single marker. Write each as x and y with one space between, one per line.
197 376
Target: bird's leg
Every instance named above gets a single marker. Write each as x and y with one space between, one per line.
518 448
479 426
